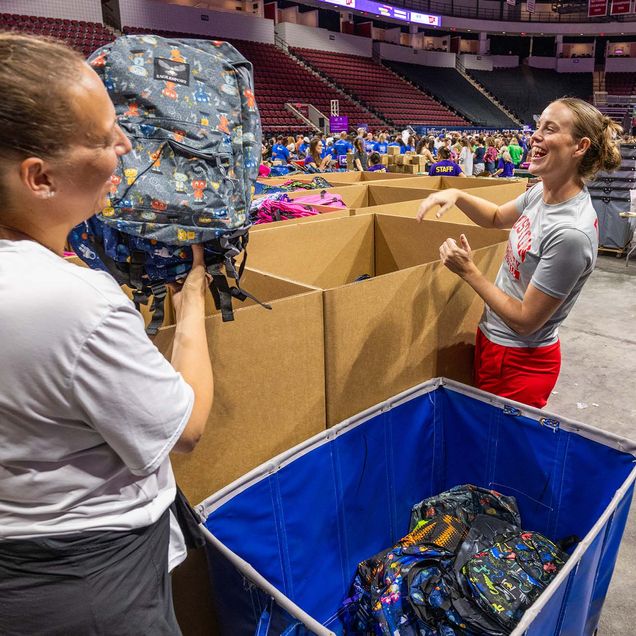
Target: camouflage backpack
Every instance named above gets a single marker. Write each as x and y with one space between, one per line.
188 108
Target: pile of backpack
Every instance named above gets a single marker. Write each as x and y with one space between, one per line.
280 207
465 568
317 183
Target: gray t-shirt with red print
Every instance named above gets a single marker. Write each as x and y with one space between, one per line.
554 248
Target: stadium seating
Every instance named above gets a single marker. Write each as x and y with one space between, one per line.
279 79
526 91
81 35
380 89
450 87
620 83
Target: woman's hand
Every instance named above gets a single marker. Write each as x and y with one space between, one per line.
190 293
459 259
446 199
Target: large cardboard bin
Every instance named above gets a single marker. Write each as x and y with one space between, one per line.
286 539
367 195
268 382
412 320
404 201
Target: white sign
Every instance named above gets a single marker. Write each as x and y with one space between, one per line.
423 18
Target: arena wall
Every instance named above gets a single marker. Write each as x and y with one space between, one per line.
298 35
88 10
170 17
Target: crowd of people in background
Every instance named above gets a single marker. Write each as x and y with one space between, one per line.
455 153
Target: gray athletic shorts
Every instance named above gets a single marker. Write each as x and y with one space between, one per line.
110 583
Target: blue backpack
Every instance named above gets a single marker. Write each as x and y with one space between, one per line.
188 108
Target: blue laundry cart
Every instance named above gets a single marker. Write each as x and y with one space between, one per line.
284 541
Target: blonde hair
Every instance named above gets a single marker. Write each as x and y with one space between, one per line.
604 151
36 115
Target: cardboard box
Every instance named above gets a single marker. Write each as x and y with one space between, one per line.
268 382
399 160
384 159
411 169
365 195
393 150
413 320
410 209
515 187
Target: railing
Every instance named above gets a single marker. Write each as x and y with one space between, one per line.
505 12
295 109
317 118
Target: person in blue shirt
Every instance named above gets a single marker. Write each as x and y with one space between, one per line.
445 167
369 143
342 146
279 151
505 167
381 145
302 144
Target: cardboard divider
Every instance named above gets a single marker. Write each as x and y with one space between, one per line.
410 208
368 195
354 195
482 182
412 320
269 389
463 183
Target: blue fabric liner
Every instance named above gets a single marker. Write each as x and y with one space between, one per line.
306 526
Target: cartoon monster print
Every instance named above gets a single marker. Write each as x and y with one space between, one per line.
198 185
138 61
224 124
250 99
155 157
149 39
100 60
229 84
158 205
133 110
178 135
180 180
200 96
175 55
169 91
115 180
131 175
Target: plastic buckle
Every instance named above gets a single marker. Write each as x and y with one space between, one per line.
550 423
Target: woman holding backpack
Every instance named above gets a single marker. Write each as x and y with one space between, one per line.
90 409
551 251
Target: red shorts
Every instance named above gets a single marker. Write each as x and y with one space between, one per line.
524 374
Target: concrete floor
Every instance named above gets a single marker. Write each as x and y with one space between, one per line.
597 386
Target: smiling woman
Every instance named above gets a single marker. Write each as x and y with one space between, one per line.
551 251
89 409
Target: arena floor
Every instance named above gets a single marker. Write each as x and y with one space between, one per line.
596 386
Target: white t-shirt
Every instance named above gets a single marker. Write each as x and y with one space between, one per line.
466 161
552 246
89 408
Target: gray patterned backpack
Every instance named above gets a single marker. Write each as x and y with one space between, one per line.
188 108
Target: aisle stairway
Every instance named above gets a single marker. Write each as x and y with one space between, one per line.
380 89
449 86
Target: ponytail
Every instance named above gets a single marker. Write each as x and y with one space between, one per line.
604 150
